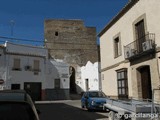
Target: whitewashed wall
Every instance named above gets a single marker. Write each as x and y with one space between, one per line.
2 67
90 72
57 70
19 77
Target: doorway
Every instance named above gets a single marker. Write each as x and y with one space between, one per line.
87 84
145 82
33 89
72 80
140 34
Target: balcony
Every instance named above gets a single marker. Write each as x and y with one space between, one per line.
143 46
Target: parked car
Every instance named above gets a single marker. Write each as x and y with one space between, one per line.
93 100
17 105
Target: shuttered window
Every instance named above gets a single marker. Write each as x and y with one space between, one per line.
117 47
16 64
57 83
36 65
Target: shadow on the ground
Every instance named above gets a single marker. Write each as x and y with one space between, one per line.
61 111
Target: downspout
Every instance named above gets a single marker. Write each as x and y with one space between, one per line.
7 69
99 68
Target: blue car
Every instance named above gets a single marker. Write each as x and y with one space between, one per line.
93 100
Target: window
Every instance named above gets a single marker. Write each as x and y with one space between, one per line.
56 33
97 94
122 82
15 86
57 83
36 66
117 47
16 64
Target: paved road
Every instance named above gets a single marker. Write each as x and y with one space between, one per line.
67 110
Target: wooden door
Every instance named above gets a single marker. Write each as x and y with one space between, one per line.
33 89
140 34
146 83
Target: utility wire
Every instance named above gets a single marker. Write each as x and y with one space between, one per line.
40 41
20 39
71 49
72 43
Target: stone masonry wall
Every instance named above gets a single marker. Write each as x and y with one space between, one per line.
71 41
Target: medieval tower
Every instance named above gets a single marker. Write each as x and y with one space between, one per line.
72 42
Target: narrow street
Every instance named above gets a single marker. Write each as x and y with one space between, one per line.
68 110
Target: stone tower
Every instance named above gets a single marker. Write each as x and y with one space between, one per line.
71 41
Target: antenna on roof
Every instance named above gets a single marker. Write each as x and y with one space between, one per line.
12 23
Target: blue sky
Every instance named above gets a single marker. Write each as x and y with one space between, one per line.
29 15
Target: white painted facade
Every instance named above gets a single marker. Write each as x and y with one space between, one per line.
48 71
89 77
26 55
57 70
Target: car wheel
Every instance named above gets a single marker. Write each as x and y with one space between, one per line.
82 105
88 108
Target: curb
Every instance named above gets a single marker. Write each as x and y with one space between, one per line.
48 102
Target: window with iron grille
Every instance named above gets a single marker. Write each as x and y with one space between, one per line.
122 83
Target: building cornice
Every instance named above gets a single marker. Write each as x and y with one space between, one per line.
124 61
126 8
21 54
113 66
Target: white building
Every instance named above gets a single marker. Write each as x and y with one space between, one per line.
28 67
89 77
57 80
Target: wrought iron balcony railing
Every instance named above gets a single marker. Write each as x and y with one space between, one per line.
142 45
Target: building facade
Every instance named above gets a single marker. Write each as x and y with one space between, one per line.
28 68
130 54
57 80
90 76
72 42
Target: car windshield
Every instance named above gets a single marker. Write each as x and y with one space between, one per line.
97 94
16 111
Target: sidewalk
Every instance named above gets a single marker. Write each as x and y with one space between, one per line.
75 96
48 102
72 97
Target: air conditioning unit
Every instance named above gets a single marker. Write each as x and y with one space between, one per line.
28 67
147 45
129 53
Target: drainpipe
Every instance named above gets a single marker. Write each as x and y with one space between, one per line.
99 68
7 70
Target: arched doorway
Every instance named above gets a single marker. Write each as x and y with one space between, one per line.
72 80
144 84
